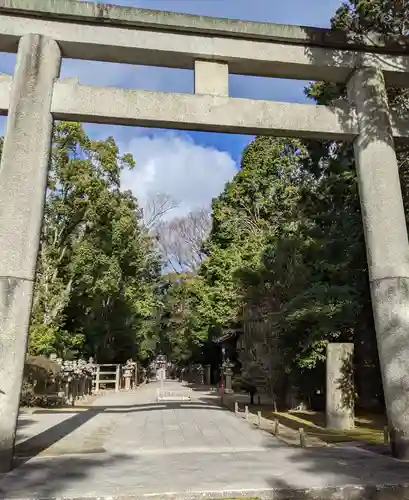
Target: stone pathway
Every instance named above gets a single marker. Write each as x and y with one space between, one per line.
130 445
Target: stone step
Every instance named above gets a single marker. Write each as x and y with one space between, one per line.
163 395
174 398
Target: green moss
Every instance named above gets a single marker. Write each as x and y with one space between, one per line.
368 428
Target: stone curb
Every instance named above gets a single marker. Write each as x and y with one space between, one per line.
349 492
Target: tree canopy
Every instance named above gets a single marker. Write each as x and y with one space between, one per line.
98 270
281 256
286 248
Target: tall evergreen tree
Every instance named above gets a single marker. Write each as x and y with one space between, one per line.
98 270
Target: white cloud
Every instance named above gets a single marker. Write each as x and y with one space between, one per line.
174 164
156 79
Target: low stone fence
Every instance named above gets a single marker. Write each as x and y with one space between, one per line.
55 382
75 381
51 382
193 374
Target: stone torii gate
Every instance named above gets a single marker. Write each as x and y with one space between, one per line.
44 31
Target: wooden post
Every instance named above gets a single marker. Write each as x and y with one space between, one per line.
97 380
136 376
70 391
302 437
276 426
75 383
80 391
66 390
83 388
117 378
275 404
386 435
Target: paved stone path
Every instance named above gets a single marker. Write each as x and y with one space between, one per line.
128 444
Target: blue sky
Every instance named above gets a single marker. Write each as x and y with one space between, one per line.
192 167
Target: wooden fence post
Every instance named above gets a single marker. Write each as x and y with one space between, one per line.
302 437
97 380
117 378
386 435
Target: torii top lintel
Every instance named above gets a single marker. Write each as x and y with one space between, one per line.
115 15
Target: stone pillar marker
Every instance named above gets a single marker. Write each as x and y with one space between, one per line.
386 245
339 399
23 181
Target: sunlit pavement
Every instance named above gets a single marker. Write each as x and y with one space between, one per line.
130 445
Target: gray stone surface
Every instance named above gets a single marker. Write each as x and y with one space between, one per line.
378 176
211 78
390 303
386 243
142 447
22 184
93 104
23 180
25 156
72 101
180 48
5 88
339 387
117 15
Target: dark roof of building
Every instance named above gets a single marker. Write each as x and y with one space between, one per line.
228 334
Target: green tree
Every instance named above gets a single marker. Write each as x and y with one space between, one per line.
98 269
360 18
287 248
182 334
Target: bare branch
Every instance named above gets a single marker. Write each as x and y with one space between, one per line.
181 240
157 206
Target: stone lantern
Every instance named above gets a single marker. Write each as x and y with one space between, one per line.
127 376
227 375
129 370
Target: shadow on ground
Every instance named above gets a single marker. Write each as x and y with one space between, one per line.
342 471
35 445
40 480
297 473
